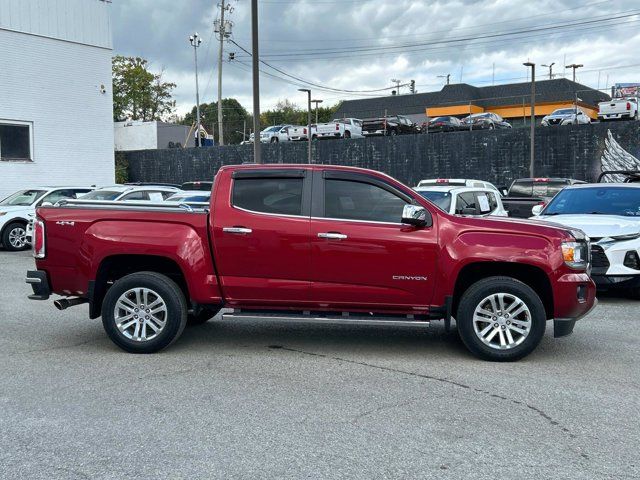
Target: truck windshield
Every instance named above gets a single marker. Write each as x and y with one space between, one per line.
101 195
623 201
23 198
440 199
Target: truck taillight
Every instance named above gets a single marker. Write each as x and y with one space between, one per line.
38 240
337 127
304 131
628 105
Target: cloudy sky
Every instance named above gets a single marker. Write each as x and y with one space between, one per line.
361 45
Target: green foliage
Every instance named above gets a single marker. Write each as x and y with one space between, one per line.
233 120
122 169
139 94
288 112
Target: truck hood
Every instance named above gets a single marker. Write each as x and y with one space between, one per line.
559 117
597 226
521 225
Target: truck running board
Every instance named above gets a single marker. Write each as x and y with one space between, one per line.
337 319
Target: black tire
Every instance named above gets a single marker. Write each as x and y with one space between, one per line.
393 133
274 140
203 316
491 126
175 317
475 296
14 237
314 138
634 293
347 134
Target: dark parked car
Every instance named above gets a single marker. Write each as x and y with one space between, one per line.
485 121
395 125
441 124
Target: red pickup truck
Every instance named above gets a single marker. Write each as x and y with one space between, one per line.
311 243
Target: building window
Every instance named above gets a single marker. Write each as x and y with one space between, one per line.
15 141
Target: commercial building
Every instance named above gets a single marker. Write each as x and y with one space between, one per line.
56 107
511 101
139 135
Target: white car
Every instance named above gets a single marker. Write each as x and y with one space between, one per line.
566 116
298 132
618 109
609 213
470 201
275 134
457 182
338 128
128 193
17 210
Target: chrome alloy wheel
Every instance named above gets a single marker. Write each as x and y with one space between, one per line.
502 321
140 314
18 237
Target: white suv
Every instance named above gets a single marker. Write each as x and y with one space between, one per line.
128 193
17 210
457 182
609 214
468 201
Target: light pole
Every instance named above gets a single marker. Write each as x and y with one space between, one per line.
255 59
195 41
447 76
397 82
308 120
550 67
574 66
316 102
533 117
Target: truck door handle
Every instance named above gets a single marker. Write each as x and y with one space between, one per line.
237 230
332 236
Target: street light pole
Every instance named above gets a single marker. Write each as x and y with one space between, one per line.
308 120
195 41
533 118
574 66
550 67
256 82
316 102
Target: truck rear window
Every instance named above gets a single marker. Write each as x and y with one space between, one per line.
269 195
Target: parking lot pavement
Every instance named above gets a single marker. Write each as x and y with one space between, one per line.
258 400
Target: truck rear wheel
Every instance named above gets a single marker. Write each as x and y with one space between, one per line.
501 319
144 312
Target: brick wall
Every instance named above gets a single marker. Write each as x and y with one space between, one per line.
498 156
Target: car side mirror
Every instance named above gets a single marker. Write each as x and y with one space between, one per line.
416 215
537 209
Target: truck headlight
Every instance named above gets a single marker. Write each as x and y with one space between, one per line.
575 254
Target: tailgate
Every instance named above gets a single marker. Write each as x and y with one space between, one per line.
613 108
328 128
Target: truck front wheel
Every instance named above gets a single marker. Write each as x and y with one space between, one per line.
144 312
501 319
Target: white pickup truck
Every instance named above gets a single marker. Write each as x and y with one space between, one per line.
618 109
338 128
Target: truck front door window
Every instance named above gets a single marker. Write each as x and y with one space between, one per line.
269 195
349 200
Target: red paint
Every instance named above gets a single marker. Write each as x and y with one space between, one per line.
282 264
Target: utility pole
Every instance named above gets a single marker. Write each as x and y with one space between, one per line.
308 120
397 82
195 41
533 117
550 67
316 102
447 76
574 66
223 29
255 59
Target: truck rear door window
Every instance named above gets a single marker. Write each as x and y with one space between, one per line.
522 188
269 195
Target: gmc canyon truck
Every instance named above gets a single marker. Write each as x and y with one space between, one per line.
311 243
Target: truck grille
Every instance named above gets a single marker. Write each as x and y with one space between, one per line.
598 257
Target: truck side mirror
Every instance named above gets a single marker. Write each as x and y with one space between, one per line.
416 215
536 210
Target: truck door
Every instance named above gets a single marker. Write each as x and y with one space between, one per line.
260 227
362 257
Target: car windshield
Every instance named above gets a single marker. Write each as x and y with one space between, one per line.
101 195
440 119
440 199
23 198
273 129
596 200
563 111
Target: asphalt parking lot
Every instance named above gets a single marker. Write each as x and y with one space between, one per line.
264 400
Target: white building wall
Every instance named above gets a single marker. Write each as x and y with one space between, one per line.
61 86
135 135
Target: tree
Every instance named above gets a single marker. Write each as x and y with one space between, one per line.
234 119
139 94
287 112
